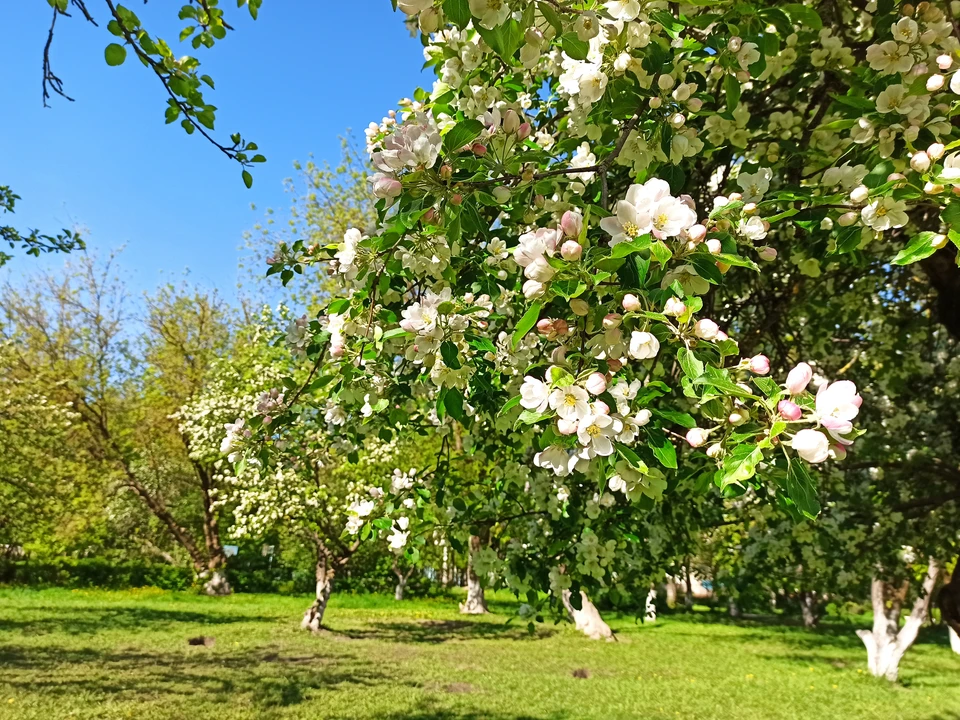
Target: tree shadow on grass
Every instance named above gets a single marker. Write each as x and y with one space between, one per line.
269 679
439 631
93 620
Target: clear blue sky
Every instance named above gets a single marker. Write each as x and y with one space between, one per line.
292 81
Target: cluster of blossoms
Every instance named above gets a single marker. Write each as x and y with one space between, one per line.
556 212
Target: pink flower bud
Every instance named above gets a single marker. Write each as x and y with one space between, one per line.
838 452
580 307
523 132
560 327
734 44
848 218
789 410
697 436
430 216
614 365
759 365
630 302
706 329
936 150
611 320
674 307
694 105
479 150
920 162
596 383
799 378
567 427
697 233
456 199
545 326
721 335
767 253
511 122
571 250
446 172
571 223
714 246
385 186
934 83
599 407
944 62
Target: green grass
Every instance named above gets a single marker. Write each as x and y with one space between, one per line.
92 654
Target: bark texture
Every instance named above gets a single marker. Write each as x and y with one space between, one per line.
887 642
587 619
313 617
809 609
651 606
476 603
402 577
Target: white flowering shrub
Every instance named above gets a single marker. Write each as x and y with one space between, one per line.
556 217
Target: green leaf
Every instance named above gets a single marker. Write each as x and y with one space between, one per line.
731 88
115 54
706 267
677 418
453 401
551 16
458 11
574 46
450 355
951 215
628 248
527 322
801 489
920 246
660 252
631 457
737 260
505 39
692 367
247 179
803 14
720 379
510 405
740 465
662 448
463 132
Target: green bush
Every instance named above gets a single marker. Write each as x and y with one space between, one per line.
95 572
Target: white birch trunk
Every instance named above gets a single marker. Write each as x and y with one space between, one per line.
587 619
886 643
954 640
476 603
216 584
651 607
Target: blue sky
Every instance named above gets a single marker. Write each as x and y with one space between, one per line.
292 81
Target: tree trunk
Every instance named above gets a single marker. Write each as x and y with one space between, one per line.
734 608
885 645
671 588
948 600
651 607
217 558
445 566
313 617
587 619
954 640
402 578
808 608
476 603
688 594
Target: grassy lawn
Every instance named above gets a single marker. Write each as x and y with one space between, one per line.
92 654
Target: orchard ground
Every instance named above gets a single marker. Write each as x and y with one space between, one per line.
106 655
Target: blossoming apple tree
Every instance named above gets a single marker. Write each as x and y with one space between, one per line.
554 217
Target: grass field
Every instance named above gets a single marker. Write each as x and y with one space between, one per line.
92 654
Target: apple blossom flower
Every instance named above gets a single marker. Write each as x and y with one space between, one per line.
754 185
643 345
490 13
837 404
799 378
626 10
567 427
697 436
397 539
885 213
570 403
595 432
630 302
767 253
539 270
556 459
812 445
534 394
